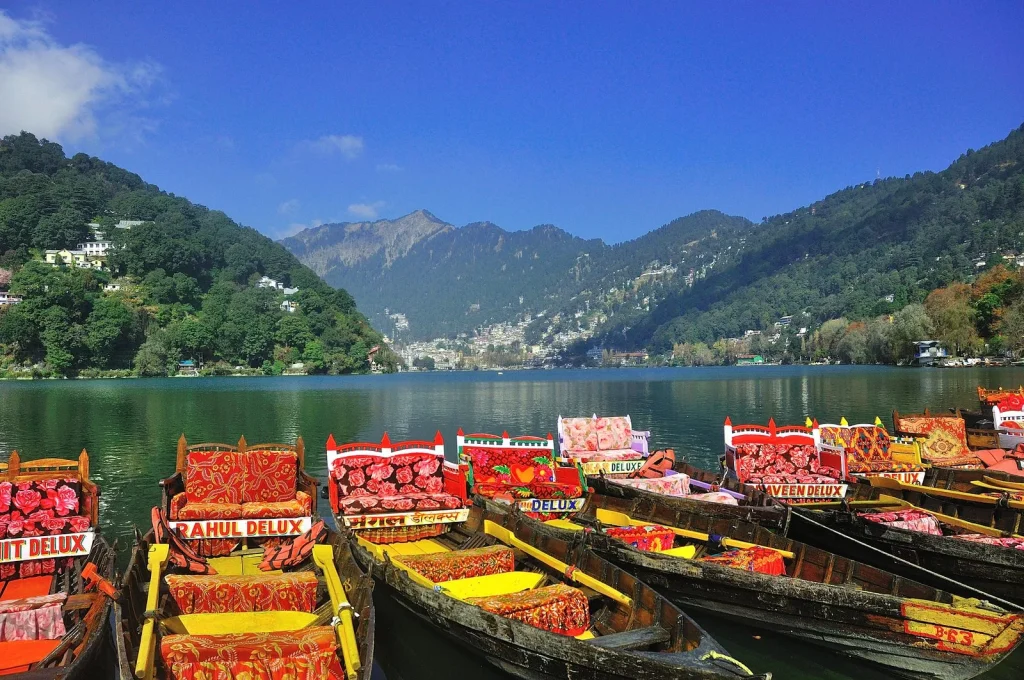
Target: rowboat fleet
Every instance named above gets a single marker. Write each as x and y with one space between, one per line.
903 550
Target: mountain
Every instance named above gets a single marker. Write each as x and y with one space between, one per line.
176 280
447 280
867 250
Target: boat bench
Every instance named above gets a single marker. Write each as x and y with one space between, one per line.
869 448
521 468
943 438
638 638
217 594
460 564
305 653
601 439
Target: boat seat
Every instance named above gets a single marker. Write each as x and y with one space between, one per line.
600 456
308 653
239 565
17 655
460 564
647 537
239 622
492 584
687 552
194 594
557 609
638 638
21 588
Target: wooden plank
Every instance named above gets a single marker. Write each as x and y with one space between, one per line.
80 601
632 639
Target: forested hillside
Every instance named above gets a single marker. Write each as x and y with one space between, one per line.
867 250
179 284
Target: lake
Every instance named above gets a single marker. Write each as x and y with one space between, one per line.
130 428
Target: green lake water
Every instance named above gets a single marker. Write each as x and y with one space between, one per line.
130 428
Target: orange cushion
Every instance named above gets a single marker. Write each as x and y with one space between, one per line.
300 506
16 655
307 654
192 511
293 592
270 476
559 608
214 477
458 564
21 588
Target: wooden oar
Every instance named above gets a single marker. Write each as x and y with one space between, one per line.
886 483
157 561
323 557
622 519
883 502
1004 483
508 538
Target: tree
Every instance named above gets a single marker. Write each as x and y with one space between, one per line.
424 363
110 332
61 339
908 325
952 317
1011 327
151 359
313 357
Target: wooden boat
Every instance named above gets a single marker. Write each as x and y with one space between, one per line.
55 572
236 579
532 605
151 625
766 580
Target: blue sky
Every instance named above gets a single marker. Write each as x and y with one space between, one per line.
606 119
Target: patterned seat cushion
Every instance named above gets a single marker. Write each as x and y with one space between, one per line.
269 476
943 439
1002 542
214 477
295 591
801 478
649 537
881 466
913 520
558 609
458 564
306 654
672 485
613 433
44 507
368 505
181 509
580 435
300 506
611 454
520 472
535 490
759 559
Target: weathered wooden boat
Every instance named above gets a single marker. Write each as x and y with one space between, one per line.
236 580
740 570
530 604
55 570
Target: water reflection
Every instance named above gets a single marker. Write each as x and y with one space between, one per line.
130 428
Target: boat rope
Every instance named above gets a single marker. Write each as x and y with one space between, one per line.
718 656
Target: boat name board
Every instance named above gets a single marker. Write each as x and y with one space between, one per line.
804 490
403 519
243 528
611 467
905 477
46 547
552 504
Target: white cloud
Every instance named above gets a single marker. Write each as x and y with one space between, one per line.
67 91
367 211
388 167
288 207
349 146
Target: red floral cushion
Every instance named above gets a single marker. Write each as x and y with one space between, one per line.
511 464
44 507
786 460
801 478
913 520
196 511
547 490
306 654
214 477
270 476
294 591
451 566
300 506
363 505
384 476
558 609
649 537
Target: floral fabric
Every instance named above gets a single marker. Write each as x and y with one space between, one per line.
1002 542
547 490
714 497
613 433
759 559
294 552
673 485
912 520
521 472
458 564
944 438
299 506
32 618
649 537
293 592
407 534
1012 402
181 509
388 476
43 507
783 464
599 456
214 477
306 654
580 435
368 505
269 476
557 609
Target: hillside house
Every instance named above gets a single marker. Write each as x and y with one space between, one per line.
73 258
289 306
96 249
267 282
7 299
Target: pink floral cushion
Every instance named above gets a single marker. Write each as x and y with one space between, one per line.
673 485
617 454
580 434
912 520
802 478
613 433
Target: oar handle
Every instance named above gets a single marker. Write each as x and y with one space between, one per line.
727 542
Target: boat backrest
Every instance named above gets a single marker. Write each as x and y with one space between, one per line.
605 433
941 436
993 397
222 473
48 508
791 449
403 484
532 457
